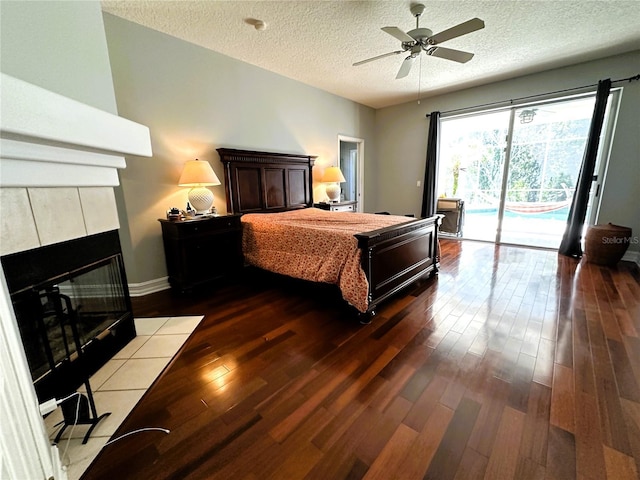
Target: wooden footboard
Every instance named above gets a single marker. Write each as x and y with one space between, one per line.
394 257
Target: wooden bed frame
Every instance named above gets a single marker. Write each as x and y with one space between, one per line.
392 258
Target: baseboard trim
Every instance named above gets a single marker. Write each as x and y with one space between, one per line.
150 286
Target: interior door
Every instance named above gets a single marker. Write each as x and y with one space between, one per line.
351 164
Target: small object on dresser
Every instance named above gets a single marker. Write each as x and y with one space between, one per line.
174 214
190 211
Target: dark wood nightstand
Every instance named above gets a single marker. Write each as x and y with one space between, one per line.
349 206
202 250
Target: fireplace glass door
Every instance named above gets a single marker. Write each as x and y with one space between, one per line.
74 310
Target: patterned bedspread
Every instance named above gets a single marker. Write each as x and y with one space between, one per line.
314 244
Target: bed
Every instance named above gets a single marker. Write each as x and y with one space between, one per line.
393 254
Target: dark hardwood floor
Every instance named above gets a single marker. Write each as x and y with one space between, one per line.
512 363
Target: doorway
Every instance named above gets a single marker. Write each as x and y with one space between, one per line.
350 161
515 169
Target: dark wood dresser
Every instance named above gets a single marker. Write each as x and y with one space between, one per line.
202 250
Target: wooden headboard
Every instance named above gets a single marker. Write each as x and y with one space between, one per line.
266 182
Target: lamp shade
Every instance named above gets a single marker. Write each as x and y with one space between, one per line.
333 174
197 173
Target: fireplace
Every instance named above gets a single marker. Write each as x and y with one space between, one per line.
60 160
73 309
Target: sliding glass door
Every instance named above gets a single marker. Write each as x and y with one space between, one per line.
471 164
546 154
515 169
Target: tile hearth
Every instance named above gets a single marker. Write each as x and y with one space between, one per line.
120 384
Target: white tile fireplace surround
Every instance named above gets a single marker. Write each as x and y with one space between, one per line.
58 166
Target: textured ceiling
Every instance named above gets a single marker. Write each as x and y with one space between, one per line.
316 42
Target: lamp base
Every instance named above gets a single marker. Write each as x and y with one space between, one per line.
201 198
333 192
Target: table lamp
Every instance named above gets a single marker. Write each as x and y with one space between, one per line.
333 176
198 175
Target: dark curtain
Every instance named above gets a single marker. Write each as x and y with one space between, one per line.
571 240
429 192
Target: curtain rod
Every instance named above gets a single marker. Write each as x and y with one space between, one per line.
510 102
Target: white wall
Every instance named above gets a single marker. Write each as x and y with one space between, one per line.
401 137
60 46
194 101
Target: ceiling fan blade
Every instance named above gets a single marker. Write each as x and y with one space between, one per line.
378 57
450 54
457 31
405 68
399 34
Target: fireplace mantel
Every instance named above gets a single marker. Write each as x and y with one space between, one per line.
59 161
48 140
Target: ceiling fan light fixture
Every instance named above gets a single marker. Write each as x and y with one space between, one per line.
420 34
418 39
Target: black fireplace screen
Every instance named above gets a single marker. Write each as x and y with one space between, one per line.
55 317
72 307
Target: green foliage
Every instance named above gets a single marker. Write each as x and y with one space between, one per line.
557 188
524 175
545 160
456 175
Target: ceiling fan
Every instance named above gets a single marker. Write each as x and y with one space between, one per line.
423 39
